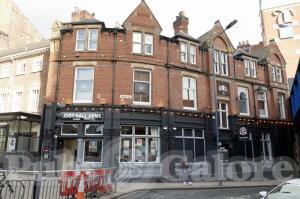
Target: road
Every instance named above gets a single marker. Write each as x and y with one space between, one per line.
217 193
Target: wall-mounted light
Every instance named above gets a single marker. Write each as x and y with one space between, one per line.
174 129
165 128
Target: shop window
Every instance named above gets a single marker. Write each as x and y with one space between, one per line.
189 93
93 129
262 104
20 69
266 146
243 99
139 144
84 82
142 87
93 151
281 105
190 143
37 64
70 129
223 115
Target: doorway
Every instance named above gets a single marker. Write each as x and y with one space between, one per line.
69 154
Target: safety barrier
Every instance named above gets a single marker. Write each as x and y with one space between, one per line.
94 183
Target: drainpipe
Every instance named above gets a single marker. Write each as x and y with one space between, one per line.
254 99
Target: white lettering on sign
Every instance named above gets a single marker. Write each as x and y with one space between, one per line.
83 115
125 96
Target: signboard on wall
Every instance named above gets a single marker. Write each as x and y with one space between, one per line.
82 115
243 133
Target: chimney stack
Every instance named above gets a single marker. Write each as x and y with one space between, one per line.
181 23
81 15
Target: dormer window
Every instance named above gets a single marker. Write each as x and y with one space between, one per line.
188 53
142 43
86 39
250 68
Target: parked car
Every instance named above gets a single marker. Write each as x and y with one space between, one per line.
287 190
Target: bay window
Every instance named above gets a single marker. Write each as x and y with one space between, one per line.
139 144
243 101
262 104
142 87
223 115
83 86
281 105
190 143
189 93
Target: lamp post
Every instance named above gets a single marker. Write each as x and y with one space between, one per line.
216 123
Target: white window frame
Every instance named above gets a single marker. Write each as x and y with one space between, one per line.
252 68
77 39
264 99
278 75
189 88
5 71
33 107
4 100
281 105
92 40
245 90
193 54
37 64
21 68
216 60
133 137
150 87
224 63
194 138
266 139
184 52
247 67
147 35
17 101
92 139
220 111
137 42
75 86
274 73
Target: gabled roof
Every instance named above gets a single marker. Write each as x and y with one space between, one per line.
209 36
142 5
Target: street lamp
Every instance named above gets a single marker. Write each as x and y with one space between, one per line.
216 101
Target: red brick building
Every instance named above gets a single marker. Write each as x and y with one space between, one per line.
150 95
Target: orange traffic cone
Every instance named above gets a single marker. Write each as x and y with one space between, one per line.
80 193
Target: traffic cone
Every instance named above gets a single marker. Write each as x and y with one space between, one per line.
80 193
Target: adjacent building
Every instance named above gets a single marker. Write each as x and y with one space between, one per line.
281 24
134 96
15 29
23 78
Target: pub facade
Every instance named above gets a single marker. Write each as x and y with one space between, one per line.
133 97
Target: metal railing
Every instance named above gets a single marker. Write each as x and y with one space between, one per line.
24 184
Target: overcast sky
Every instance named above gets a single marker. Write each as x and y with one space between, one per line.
202 14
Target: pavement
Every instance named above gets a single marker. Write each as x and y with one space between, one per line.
124 188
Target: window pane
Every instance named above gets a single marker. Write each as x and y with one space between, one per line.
92 151
80 34
189 149
148 39
153 150
153 131
224 119
126 150
142 75
137 37
126 130
84 84
140 130
199 150
198 133
188 133
93 129
70 129
140 145
85 73
93 34
137 48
